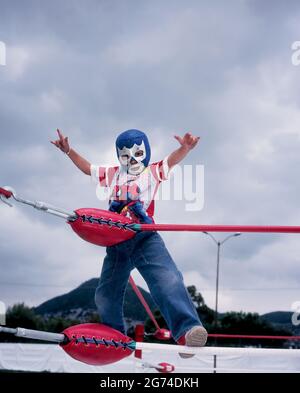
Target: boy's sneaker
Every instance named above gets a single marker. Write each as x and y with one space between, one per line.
195 337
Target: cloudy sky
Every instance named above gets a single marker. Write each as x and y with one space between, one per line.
221 70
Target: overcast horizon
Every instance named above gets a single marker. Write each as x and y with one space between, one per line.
219 70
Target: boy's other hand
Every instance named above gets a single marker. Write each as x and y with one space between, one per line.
188 141
62 143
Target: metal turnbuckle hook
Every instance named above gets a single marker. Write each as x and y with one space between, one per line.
5 201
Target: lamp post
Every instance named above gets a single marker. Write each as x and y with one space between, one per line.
218 243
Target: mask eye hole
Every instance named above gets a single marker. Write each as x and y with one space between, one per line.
139 153
125 156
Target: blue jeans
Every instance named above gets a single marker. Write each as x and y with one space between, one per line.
146 252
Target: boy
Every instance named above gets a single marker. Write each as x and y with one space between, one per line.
133 186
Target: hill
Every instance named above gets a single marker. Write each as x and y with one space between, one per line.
282 319
79 303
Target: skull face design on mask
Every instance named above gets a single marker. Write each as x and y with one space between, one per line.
133 151
133 158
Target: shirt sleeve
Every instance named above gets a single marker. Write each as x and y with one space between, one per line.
161 170
95 173
103 176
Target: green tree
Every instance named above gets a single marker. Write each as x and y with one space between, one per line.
58 324
249 324
196 296
20 315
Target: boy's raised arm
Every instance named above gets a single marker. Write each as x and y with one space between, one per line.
188 142
63 144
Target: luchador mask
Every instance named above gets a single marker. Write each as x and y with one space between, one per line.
133 151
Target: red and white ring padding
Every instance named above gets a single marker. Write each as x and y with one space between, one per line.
165 368
96 344
112 232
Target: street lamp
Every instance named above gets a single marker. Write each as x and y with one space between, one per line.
218 243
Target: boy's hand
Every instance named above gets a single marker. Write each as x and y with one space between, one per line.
188 142
62 143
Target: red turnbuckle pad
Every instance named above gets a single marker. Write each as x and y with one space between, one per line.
96 344
162 334
102 227
165 368
139 334
5 192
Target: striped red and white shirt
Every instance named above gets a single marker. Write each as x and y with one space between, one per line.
148 181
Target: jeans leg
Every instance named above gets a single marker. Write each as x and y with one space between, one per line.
109 295
166 285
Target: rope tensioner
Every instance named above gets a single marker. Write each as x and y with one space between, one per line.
105 228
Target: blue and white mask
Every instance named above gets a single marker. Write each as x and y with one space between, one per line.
133 150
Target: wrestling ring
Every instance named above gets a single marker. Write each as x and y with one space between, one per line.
99 348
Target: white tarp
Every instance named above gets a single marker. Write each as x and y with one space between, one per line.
48 357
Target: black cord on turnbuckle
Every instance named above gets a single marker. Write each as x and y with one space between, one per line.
105 221
107 343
